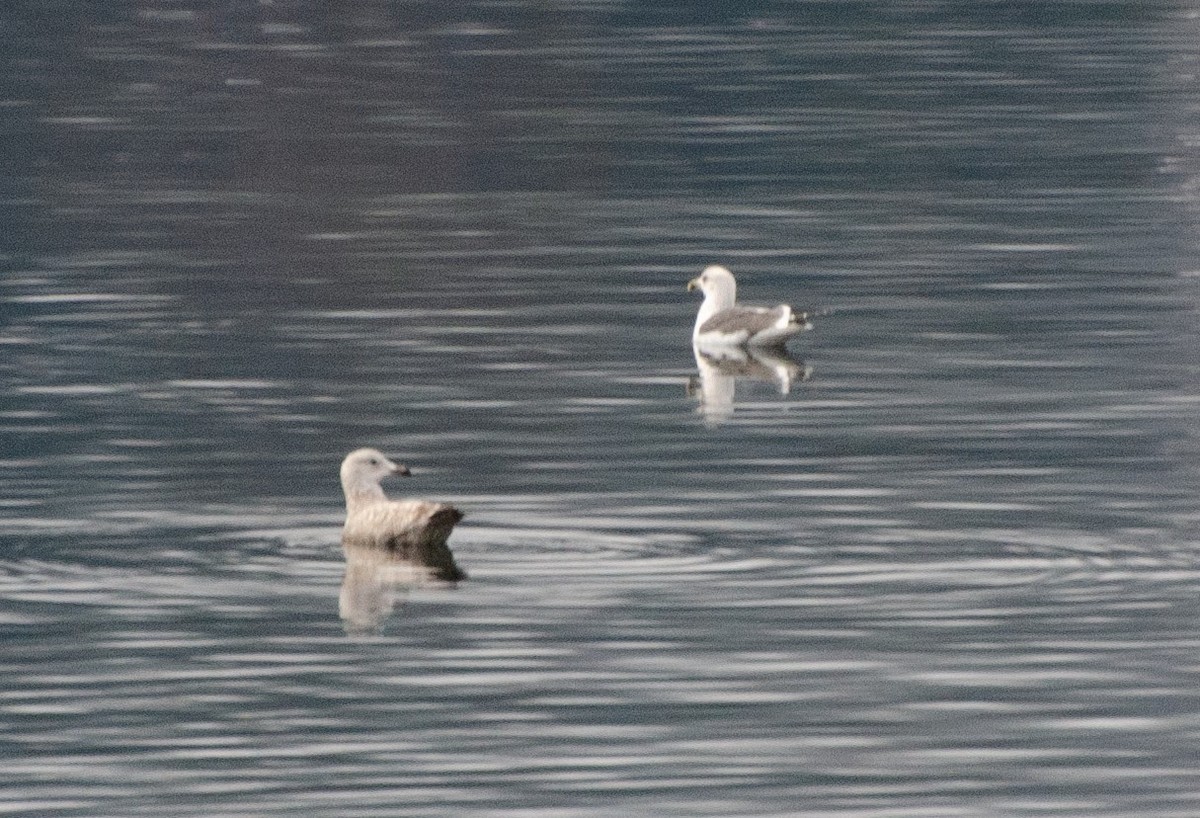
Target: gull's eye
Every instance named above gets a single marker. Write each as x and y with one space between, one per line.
374 462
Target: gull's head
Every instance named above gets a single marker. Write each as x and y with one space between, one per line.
715 281
363 469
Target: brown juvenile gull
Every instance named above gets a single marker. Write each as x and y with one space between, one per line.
723 322
412 530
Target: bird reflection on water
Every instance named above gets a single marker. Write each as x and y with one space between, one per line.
719 368
377 580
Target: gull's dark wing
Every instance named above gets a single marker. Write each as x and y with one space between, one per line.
751 320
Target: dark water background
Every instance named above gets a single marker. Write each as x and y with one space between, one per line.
952 573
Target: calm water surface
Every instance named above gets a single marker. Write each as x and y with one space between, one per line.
939 562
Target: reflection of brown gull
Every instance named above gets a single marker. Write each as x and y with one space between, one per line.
720 367
411 530
376 580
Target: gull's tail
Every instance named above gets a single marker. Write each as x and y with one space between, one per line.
800 321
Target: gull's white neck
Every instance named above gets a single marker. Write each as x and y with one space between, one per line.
361 491
721 295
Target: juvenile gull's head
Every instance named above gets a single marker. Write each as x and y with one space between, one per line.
363 469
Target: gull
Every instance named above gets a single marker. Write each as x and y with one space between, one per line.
410 530
723 322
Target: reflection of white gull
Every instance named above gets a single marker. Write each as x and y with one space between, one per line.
722 321
411 530
720 368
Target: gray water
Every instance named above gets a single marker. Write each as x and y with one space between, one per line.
947 568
